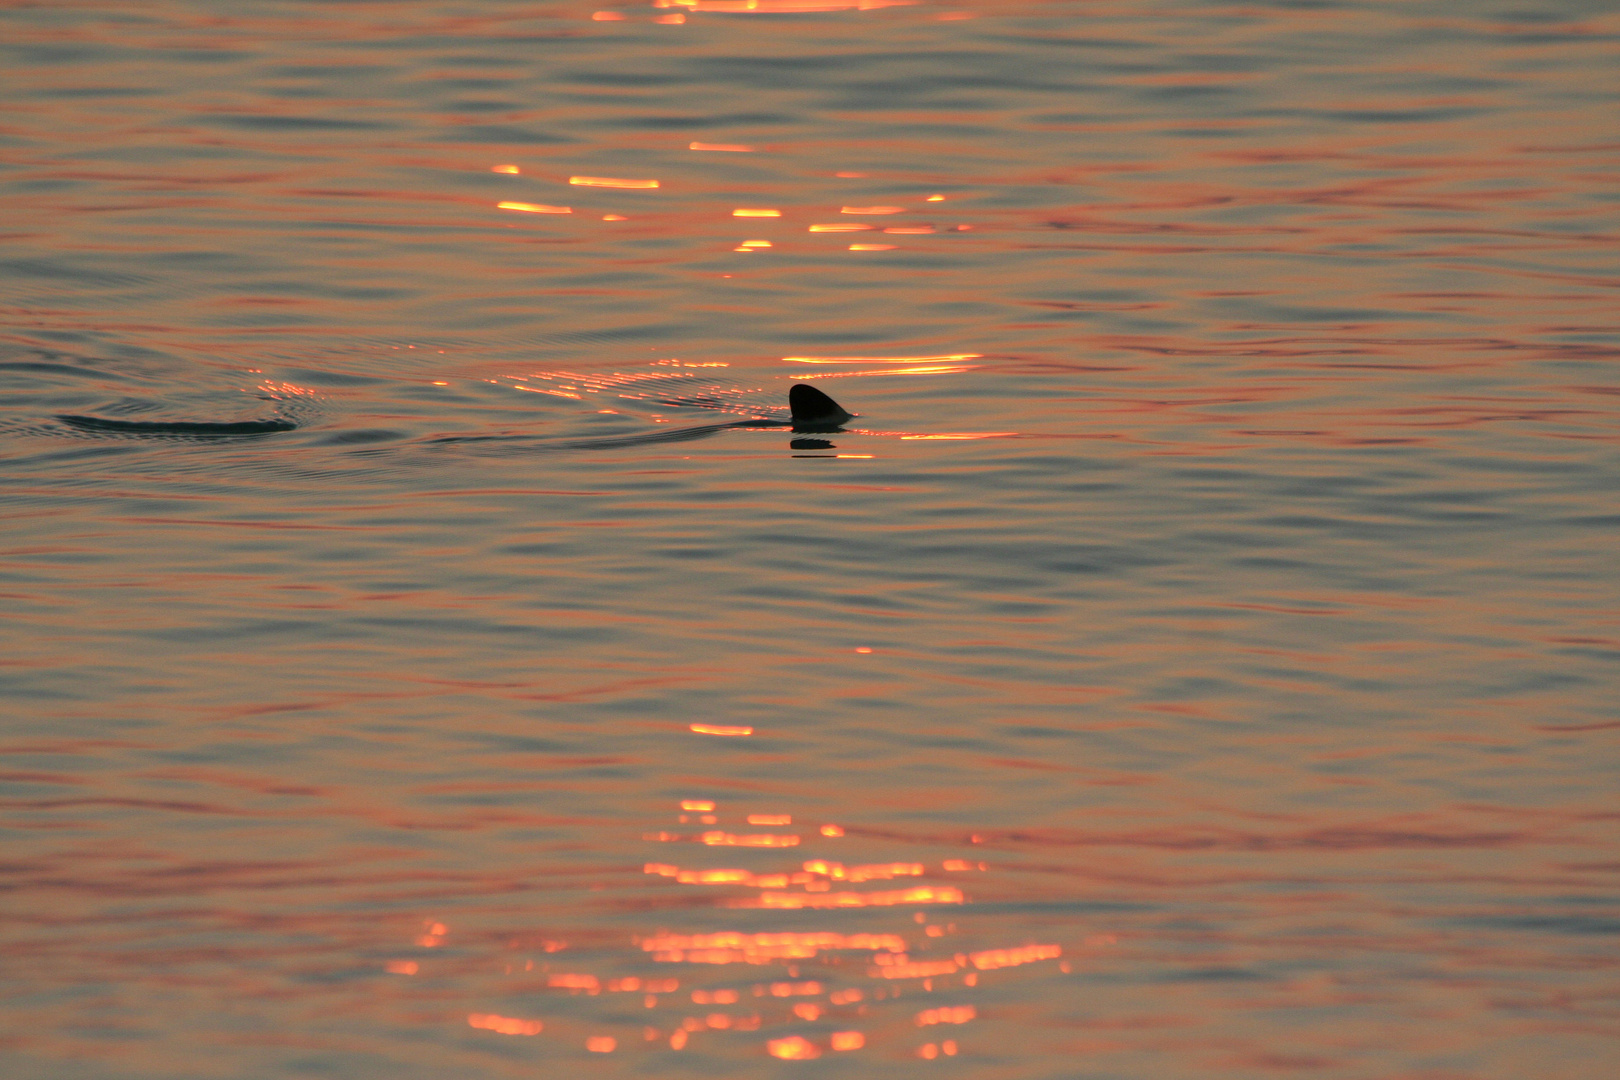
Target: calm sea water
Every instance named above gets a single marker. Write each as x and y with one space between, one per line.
1197 659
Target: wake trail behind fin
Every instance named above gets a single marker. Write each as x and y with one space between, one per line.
176 427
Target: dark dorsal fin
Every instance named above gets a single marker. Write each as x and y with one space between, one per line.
811 406
177 427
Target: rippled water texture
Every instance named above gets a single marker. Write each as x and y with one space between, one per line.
1196 659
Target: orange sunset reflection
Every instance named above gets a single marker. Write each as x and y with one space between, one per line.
610 182
794 990
768 7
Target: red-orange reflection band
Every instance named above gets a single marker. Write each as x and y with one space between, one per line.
922 894
787 989
959 1015
505 1025
768 7
1001 958
926 969
534 208
725 839
876 359
738 948
874 871
718 877
793 1048
610 181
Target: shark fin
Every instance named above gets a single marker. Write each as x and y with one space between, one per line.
812 408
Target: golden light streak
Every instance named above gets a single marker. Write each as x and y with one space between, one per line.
739 948
926 969
922 894
961 1014
910 230
534 208
610 181
717 838
793 1048
747 244
876 359
756 213
935 198
766 7
1000 958
718 877
719 729
614 217
856 874
872 210
843 227
735 148
787 989
831 830
505 1025
959 436
606 16
512 169
698 806
887 371
872 247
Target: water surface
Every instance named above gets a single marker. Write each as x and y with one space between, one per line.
1197 658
